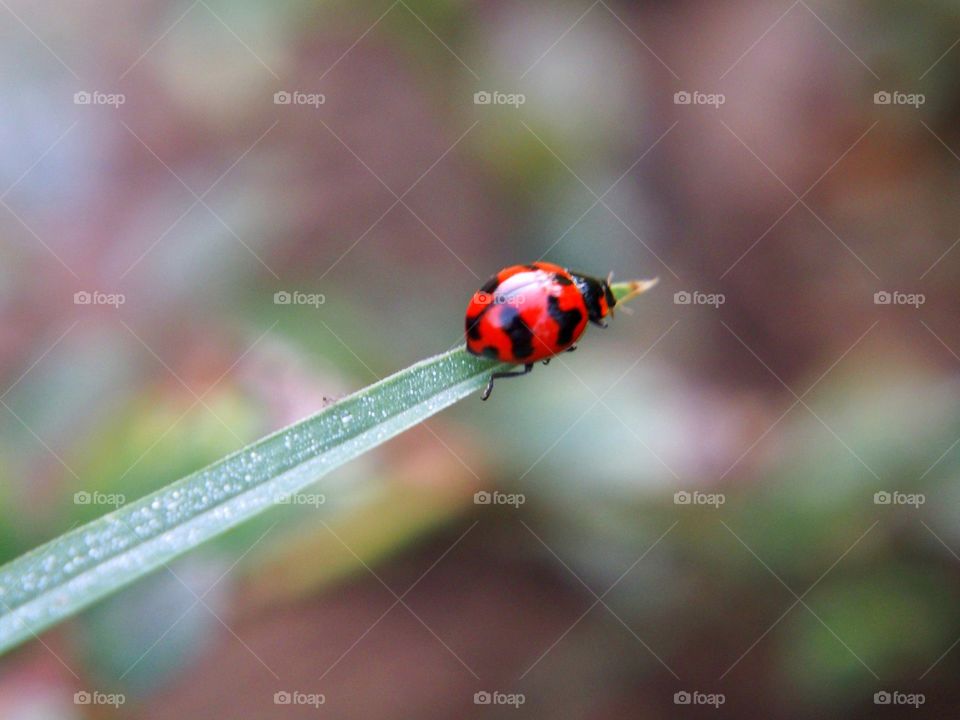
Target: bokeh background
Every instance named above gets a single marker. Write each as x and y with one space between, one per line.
183 196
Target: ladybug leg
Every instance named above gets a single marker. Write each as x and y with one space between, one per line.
601 323
513 373
571 348
547 361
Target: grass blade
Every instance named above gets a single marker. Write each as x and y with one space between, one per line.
74 570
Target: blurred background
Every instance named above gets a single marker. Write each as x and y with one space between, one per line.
739 500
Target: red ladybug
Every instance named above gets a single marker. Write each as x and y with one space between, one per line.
527 313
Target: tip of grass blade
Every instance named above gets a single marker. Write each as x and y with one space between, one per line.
627 290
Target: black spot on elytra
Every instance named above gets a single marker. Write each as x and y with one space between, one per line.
491 352
490 285
562 279
473 325
521 337
567 320
473 321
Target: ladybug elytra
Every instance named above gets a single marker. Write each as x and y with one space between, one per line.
527 313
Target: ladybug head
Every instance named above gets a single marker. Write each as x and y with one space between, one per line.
597 296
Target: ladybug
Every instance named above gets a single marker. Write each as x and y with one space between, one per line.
527 313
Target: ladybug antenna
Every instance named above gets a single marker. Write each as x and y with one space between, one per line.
606 287
611 298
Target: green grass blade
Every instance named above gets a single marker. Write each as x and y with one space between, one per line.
72 571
